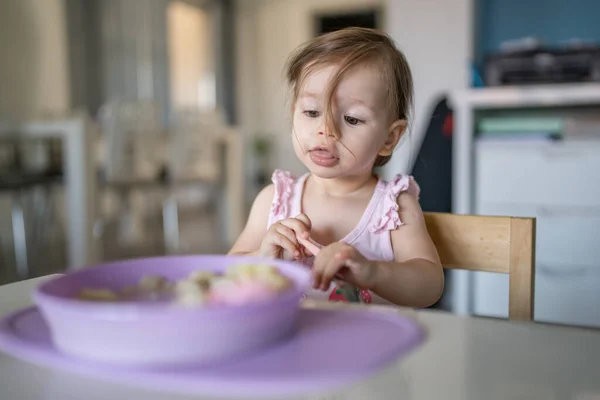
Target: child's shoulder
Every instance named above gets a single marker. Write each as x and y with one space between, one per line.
259 213
274 198
280 181
399 196
282 178
284 183
399 184
265 196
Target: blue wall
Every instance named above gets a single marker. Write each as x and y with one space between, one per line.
552 21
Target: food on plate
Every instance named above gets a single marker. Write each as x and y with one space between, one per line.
240 284
98 295
151 283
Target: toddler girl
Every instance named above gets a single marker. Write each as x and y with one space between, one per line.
351 97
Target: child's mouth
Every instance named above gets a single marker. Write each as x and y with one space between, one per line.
323 157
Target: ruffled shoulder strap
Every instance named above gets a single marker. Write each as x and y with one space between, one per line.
389 219
283 184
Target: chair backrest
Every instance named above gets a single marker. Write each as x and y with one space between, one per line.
493 244
134 141
194 151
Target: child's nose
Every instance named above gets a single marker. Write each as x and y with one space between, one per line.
328 134
328 131
327 128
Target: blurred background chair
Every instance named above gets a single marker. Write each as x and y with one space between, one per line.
151 173
134 142
27 187
194 169
132 169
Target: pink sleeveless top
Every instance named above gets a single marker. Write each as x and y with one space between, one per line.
371 236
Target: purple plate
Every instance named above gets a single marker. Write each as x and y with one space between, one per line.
134 333
330 348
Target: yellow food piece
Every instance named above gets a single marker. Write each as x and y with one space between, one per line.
98 295
277 282
191 293
202 276
129 290
192 299
251 270
151 283
222 284
266 274
187 286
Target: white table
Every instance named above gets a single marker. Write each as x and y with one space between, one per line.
463 358
80 179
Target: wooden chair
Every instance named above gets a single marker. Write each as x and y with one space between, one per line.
493 244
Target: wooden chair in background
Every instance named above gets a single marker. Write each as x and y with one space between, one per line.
492 244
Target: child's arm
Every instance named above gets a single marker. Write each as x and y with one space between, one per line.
256 228
416 277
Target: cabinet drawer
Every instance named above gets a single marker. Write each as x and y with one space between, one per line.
565 236
570 297
552 173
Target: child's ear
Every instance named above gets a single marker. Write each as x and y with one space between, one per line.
395 132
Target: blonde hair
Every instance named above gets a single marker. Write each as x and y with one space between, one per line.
349 47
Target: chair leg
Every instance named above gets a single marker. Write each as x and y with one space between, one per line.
19 238
171 224
41 224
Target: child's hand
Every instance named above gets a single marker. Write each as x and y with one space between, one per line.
281 238
343 261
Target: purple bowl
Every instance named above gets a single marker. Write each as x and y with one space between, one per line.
152 334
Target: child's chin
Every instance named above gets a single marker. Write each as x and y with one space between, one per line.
326 173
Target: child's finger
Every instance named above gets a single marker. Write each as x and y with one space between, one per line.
351 263
288 233
297 226
317 272
308 244
286 244
330 271
305 220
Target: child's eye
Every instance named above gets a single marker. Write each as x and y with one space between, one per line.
352 121
312 113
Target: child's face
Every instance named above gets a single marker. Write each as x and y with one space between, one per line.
361 113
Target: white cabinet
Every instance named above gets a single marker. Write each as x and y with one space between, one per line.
559 184
542 173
